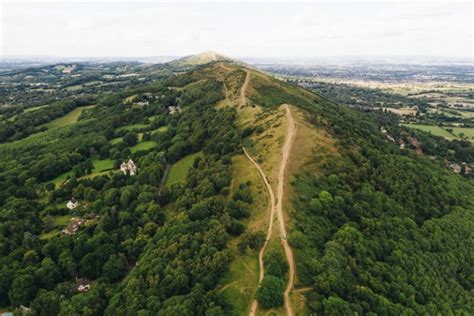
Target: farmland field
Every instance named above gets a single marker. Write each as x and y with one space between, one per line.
435 130
468 132
179 169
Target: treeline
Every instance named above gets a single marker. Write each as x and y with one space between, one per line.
27 123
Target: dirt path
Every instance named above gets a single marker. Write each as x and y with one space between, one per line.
243 90
253 307
279 206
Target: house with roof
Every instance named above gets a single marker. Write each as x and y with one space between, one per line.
128 167
72 204
82 285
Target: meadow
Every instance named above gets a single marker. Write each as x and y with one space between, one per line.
179 169
68 119
435 130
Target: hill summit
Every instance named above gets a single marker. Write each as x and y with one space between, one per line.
200 59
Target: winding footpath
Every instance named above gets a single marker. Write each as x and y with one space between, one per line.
253 308
290 136
243 90
278 208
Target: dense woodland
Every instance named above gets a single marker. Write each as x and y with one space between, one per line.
382 231
117 251
377 230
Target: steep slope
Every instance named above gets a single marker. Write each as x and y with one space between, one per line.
334 210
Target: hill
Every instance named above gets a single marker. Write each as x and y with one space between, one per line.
251 196
198 59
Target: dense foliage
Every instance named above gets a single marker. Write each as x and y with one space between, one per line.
128 241
382 230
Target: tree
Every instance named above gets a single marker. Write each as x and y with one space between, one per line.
270 292
48 274
130 139
315 205
46 303
326 198
23 290
115 268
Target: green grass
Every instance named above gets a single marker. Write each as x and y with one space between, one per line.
468 132
99 167
179 169
162 129
115 140
68 119
435 130
49 235
74 88
102 165
63 220
35 108
59 222
61 178
143 146
239 281
130 127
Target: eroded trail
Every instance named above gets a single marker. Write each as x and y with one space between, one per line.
253 307
279 206
243 90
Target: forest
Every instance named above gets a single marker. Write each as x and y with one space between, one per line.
382 231
376 229
138 235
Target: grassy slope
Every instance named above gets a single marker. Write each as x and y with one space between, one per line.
68 119
131 127
179 169
143 146
241 281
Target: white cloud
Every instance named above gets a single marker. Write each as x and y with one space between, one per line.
270 29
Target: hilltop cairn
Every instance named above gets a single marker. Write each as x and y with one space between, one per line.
128 167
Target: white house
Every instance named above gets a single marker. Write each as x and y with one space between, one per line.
128 167
72 204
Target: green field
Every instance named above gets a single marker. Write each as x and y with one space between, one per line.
61 178
115 140
435 130
67 119
99 166
143 146
102 165
130 127
35 108
160 130
468 132
59 222
179 169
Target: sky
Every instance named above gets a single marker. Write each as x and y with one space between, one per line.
237 29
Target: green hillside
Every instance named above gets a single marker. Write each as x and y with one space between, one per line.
324 198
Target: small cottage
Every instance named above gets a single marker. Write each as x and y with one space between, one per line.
72 204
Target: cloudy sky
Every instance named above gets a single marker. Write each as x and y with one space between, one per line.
264 29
